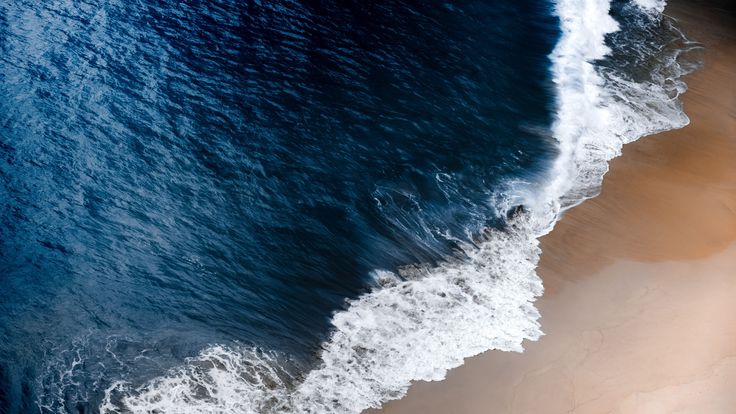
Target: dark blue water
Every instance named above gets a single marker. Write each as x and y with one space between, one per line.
179 173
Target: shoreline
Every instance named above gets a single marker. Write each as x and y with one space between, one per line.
639 308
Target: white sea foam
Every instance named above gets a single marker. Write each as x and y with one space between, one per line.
653 5
598 110
418 326
411 330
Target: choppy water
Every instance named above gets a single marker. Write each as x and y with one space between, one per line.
227 206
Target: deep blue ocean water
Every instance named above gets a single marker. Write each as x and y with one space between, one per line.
174 174
178 174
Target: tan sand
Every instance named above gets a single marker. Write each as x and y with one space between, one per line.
640 303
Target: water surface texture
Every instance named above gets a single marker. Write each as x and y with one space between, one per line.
175 174
289 206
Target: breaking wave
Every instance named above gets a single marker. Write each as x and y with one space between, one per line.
425 320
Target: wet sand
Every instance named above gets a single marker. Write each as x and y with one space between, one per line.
640 304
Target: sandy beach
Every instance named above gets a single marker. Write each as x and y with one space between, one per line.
639 310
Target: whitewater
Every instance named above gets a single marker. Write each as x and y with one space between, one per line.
424 320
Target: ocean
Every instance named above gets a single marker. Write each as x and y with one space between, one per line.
234 206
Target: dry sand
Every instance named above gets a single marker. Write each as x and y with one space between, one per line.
640 303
